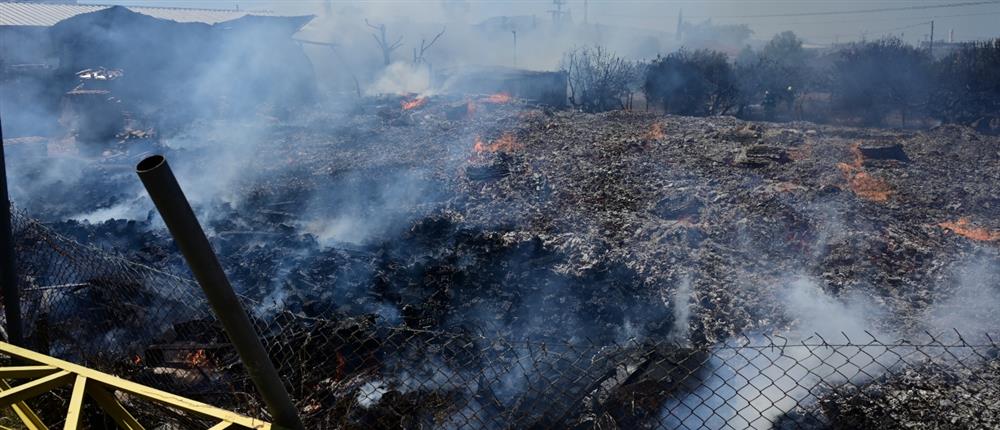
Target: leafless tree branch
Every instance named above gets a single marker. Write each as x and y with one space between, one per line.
383 42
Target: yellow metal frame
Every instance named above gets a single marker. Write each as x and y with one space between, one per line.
45 374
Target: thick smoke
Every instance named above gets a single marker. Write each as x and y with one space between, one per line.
753 384
219 139
971 304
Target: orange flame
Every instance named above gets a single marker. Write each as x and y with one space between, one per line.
963 227
861 182
196 359
498 98
506 143
413 104
655 132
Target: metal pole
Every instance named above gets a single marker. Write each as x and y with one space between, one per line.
930 48
514 32
8 268
173 206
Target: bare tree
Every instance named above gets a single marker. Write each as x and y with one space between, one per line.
598 79
383 42
418 56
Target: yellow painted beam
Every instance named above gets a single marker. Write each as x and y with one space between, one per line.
149 393
27 416
75 404
221 426
110 405
26 372
33 388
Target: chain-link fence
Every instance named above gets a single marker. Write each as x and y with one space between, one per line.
91 307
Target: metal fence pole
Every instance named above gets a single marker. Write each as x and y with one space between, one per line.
8 273
173 206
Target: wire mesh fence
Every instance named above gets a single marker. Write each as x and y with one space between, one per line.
89 306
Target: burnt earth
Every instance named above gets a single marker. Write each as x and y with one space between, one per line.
605 227
587 213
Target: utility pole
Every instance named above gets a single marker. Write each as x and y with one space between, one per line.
930 47
558 16
514 32
8 267
680 24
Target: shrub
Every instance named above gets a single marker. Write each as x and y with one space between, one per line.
692 83
968 83
874 78
773 76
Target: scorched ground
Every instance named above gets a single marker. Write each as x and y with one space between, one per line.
493 217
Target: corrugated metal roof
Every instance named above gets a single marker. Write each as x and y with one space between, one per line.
48 14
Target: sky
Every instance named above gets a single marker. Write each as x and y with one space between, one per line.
821 21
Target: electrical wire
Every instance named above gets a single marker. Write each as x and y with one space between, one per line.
864 11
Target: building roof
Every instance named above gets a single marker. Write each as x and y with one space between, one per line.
48 14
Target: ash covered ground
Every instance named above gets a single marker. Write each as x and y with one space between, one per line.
523 223
529 222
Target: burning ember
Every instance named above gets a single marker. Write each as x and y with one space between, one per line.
413 104
861 182
965 228
499 98
655 132
197 358
506 143
136 360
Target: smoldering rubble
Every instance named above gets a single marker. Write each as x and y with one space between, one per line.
485 215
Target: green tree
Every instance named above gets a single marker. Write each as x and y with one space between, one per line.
968 83
878 77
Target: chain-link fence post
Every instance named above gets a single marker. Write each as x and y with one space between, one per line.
8 276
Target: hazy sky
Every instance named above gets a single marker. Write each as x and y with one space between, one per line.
969 21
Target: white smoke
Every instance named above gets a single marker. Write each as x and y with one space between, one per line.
402 78
751 386
682 310
972 306
751 383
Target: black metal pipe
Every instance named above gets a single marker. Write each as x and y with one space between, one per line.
173 206
8 263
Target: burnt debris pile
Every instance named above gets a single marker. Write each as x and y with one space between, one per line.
477 262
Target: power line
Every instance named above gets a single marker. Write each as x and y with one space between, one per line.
923 21
845 21
905 27
885 32
880 33
860 11
827 13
